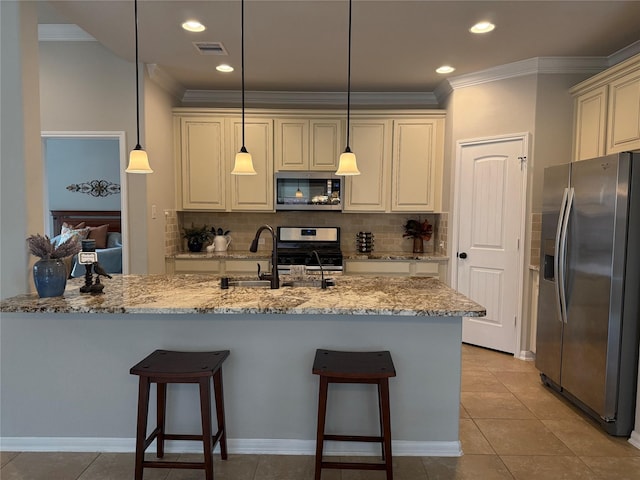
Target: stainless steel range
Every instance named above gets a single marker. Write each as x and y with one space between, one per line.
296 246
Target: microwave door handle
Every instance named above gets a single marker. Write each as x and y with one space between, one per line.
557 257
562 281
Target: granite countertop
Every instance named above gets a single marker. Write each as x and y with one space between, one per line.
433 257
201 293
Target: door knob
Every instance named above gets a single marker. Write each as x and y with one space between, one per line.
462 255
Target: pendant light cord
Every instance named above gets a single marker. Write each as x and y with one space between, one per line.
349 82
242 53
135 9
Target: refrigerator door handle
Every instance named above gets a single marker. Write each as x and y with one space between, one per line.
563 255
557 256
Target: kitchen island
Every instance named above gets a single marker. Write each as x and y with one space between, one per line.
65 361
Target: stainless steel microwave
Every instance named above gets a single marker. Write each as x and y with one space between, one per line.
308 191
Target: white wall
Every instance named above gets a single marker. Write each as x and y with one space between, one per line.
20 156
161 183
84 87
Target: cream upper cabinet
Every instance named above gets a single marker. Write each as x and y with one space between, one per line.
307 144
252 192
591 124
607 111
370 140
418 152
202 165
623 127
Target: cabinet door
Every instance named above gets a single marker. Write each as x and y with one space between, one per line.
591 123
417 165
325 144
371 142
202 164
623 128
292 144
252 192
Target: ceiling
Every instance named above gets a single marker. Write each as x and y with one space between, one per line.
301 45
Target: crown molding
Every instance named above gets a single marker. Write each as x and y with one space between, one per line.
624 53
62 32
311 99
531 66
159 76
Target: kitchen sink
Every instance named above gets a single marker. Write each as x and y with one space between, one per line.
314 283
311 283
247 283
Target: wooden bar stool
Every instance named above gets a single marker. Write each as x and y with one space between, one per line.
163 367
355 367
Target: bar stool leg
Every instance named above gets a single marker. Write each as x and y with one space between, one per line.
322 413
386 423
141 428
205 410
222 426
380 418
161 415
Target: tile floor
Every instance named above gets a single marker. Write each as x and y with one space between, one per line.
511 427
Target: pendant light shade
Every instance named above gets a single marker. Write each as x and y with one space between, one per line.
347 164
138 159
243 164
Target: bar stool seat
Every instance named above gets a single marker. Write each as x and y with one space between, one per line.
354 367
163 367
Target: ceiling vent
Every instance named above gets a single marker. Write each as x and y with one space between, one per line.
210 48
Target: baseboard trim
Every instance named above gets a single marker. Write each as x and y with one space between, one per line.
634 439
527 355
266 446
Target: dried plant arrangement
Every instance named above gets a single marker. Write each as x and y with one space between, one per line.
45 248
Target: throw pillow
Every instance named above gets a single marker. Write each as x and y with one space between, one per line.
68 232
99 234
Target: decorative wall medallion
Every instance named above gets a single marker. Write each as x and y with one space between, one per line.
95 188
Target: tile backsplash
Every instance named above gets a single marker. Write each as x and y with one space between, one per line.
387 228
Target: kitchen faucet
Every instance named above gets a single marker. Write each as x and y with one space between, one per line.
275 279
323 283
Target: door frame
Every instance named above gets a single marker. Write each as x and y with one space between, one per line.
124 193
455 226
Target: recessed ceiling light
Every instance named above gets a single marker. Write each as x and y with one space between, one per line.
445 69
223 67
193 26
482 27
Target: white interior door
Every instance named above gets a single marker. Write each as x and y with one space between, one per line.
491 197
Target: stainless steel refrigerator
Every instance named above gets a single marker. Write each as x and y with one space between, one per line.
588 305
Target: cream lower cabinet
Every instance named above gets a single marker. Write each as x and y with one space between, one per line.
418 151
307 144
217 265
396 268
202 166
370 140
252 192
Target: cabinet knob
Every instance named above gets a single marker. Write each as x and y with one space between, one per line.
462 255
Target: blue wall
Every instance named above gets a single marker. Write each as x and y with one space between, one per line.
78 161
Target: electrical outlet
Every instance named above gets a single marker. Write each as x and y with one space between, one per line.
261 241
154 211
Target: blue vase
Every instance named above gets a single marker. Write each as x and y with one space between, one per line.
50 277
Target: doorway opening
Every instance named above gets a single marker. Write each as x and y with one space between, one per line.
85 171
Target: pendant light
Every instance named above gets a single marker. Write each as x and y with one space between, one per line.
299 193
243 163
138 159
347 164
